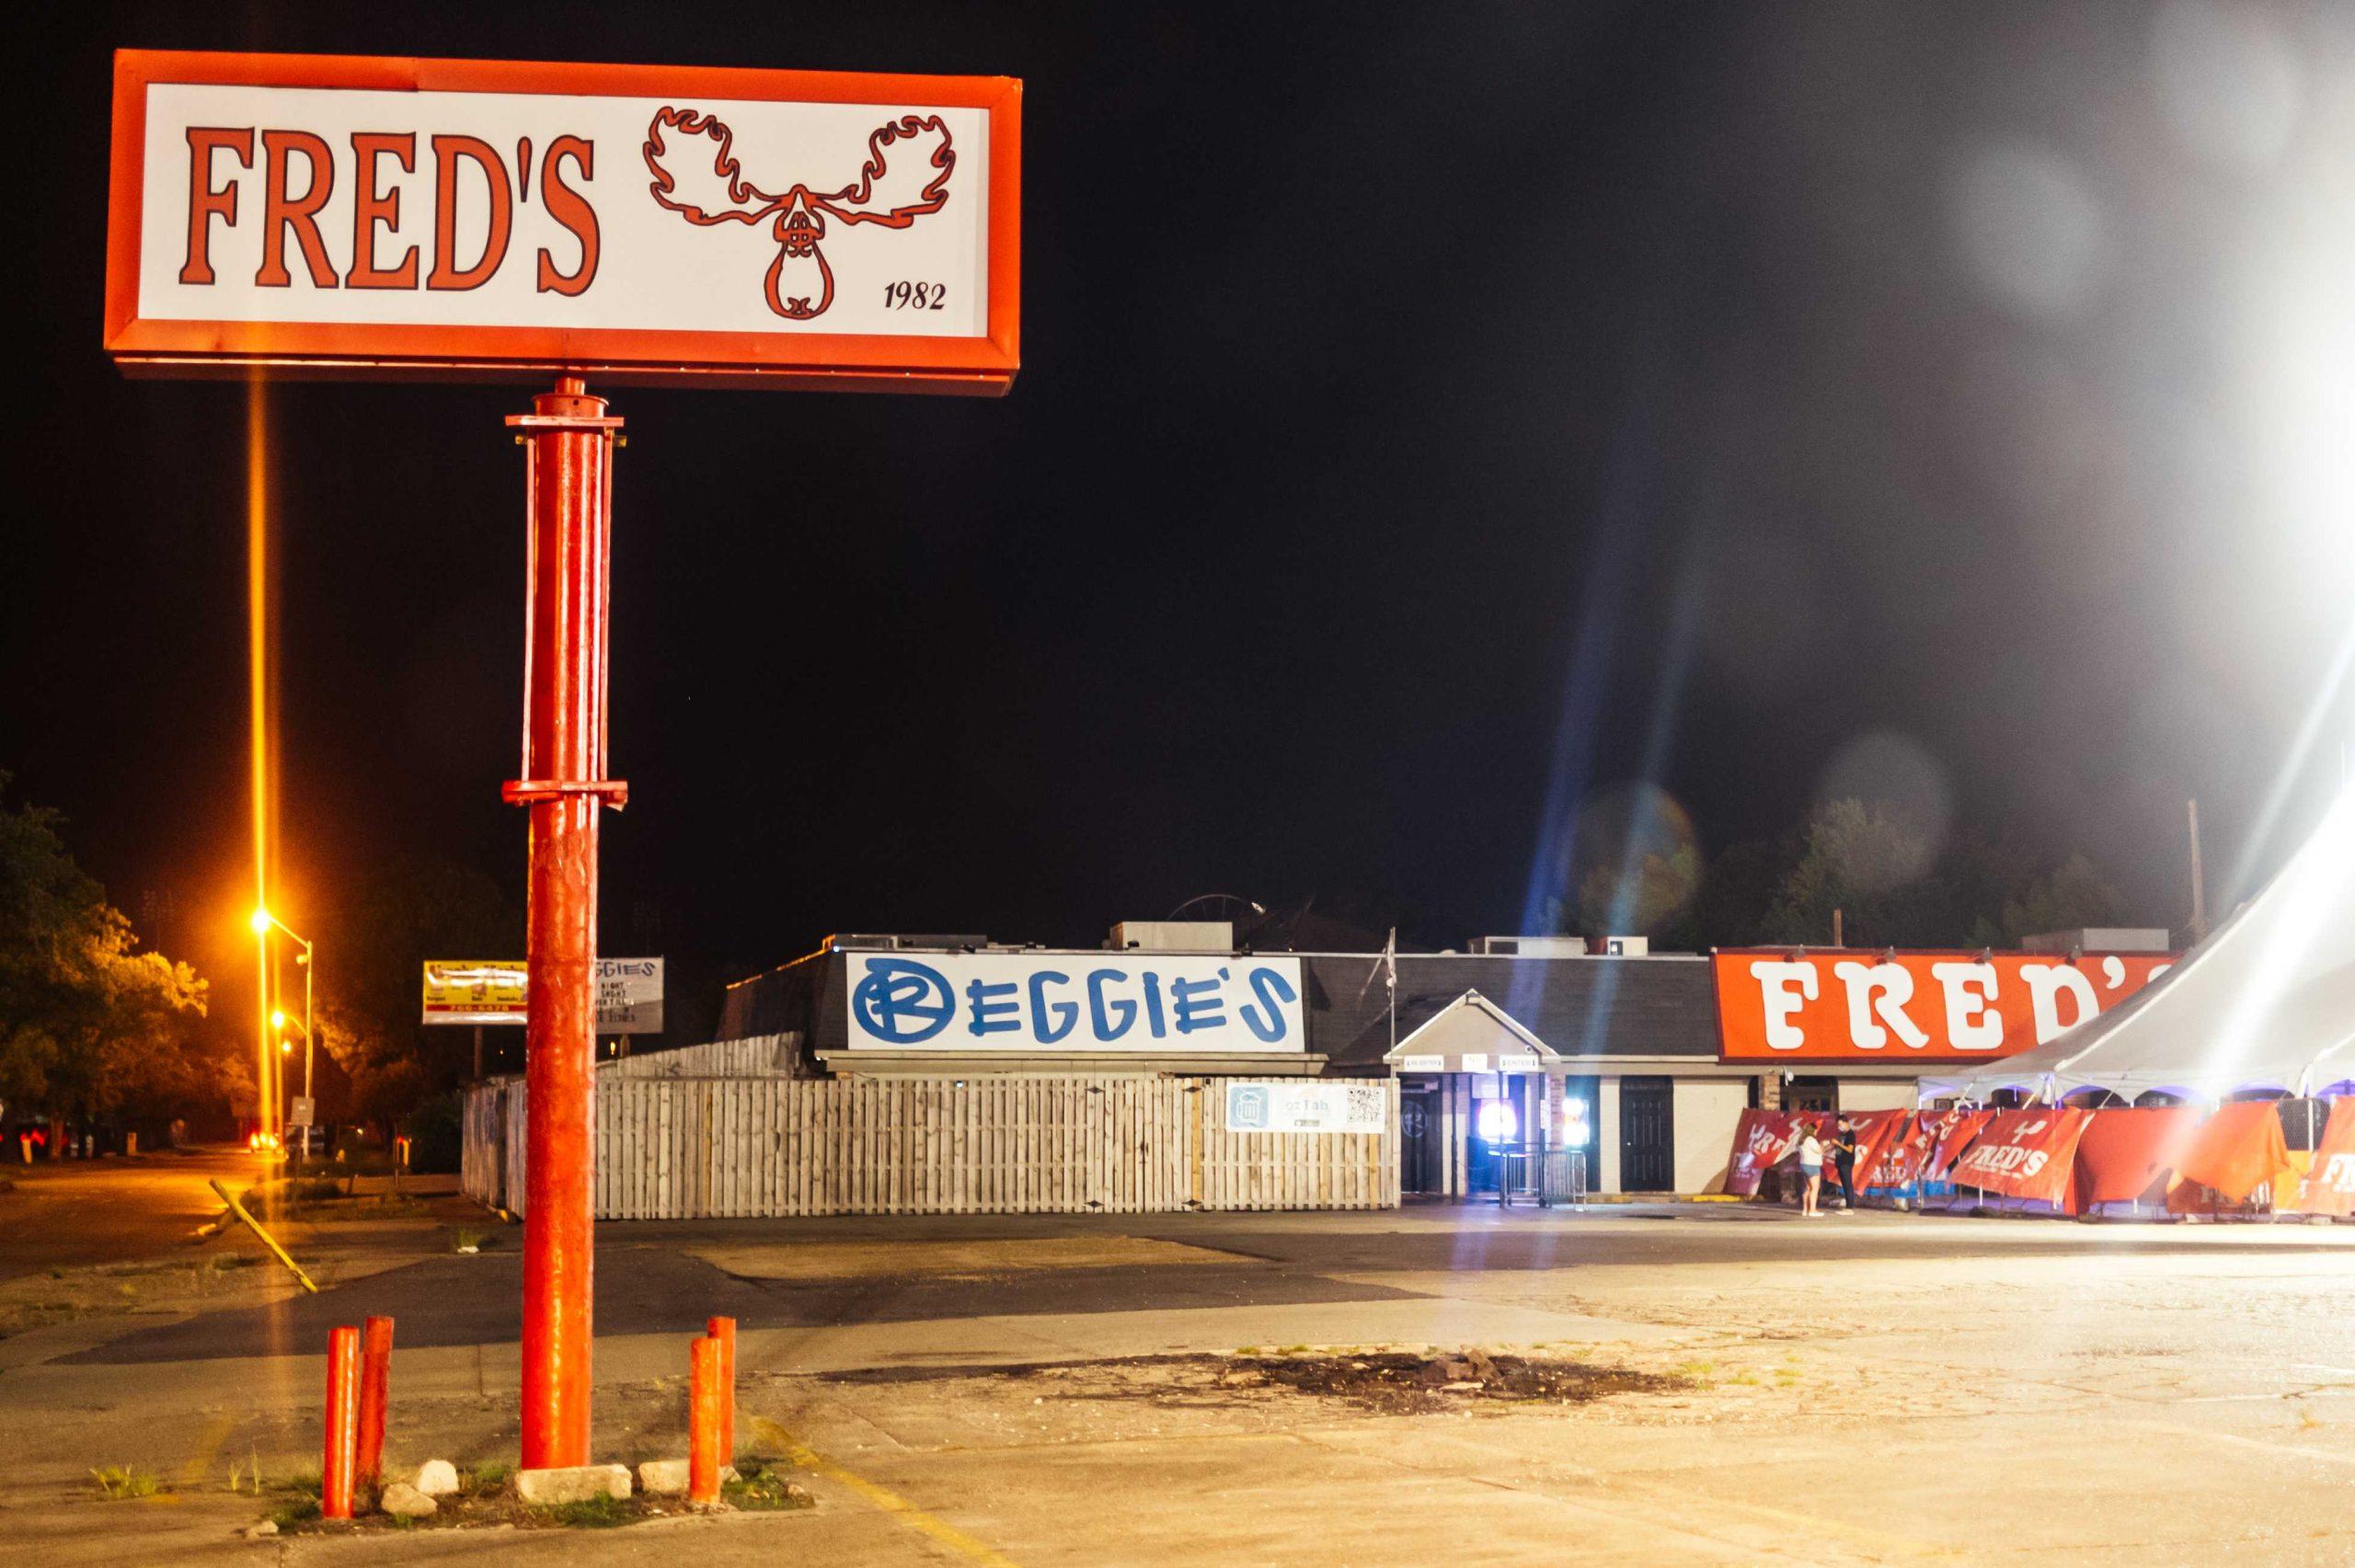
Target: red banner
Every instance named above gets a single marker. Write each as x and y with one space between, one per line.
1760 1141
2238 1149
2330 1184
1774 1004
2127 1153
2026 1154
1952 1132
1875 1130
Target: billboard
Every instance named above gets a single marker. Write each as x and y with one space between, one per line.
372 216
1067 1002
491 991
1865 1006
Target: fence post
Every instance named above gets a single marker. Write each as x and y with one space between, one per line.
342 1413
376 1389
724 1331
703 1421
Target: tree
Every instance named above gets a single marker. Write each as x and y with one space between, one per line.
1866 861
2074 895
1641 898
370 971
88 1024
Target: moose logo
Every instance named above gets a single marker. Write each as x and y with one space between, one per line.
700 180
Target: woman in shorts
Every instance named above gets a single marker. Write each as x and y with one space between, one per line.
1811 1172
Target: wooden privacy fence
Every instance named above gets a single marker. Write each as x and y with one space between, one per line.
718 1148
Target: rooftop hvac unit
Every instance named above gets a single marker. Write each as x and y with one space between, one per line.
1174 936
1531 946
868 942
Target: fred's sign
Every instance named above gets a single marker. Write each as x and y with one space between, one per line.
638 223
1857 1005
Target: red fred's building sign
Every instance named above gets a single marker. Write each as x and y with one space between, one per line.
371 216
1861 1005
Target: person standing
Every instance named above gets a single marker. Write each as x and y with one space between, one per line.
1810 1172
1843 1164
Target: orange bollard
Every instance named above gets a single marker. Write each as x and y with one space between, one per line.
342 1423
703 1421
376 1391
724 1331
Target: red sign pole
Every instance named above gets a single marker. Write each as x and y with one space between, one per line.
569 439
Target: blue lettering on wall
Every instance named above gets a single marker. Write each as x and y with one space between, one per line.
903 1001
1096 1018
1065 1014
1199 1005
1271 988
1153 1018
989 1016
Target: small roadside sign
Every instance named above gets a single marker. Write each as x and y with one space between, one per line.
472 991
299 1111
491 990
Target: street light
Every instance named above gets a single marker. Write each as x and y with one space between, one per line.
262 921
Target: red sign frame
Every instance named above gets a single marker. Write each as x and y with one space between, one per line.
837 361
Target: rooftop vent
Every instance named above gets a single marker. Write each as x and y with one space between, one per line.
1174 936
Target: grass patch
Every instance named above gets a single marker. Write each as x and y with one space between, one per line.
490 1477
759 1488
295 1511
118 1483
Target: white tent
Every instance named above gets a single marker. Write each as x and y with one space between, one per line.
2267 1001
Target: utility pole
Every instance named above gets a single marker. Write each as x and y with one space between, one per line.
2198 888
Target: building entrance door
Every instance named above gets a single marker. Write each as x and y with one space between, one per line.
1647 1135
1422 1148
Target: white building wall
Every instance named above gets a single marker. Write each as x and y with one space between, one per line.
1706 1111
1606 1135
1876 1095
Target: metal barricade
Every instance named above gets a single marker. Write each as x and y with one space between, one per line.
1513 1174
1549 1177
1565 1178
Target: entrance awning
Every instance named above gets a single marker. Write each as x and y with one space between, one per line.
1472 1034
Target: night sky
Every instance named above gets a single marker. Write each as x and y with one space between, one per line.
1431 416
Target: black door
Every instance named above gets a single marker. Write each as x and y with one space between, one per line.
1647 1135
1418 1140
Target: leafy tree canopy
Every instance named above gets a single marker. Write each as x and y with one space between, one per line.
89 1024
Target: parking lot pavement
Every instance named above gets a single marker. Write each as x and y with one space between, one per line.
1099 1389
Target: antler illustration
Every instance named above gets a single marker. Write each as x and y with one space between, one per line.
892 190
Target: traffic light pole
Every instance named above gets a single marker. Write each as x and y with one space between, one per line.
569 443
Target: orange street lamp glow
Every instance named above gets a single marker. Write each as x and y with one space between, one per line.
261 920
277 1019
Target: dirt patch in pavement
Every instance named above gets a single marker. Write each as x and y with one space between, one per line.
1404 1383
1387 1382
919 1259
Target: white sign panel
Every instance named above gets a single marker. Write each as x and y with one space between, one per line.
629 996
1290 1105
529 209
1065 1002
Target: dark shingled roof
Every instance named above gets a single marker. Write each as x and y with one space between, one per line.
1581 1007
